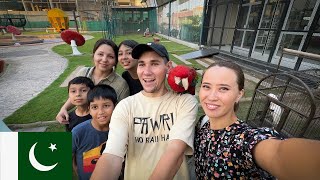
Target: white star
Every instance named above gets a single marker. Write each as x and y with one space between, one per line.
52 147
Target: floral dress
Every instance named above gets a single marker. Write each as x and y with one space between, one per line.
227 153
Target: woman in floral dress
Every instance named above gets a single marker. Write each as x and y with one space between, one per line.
228 148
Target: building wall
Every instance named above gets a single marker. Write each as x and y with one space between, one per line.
181 19
259 29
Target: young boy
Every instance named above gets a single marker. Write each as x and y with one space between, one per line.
89 137
78 89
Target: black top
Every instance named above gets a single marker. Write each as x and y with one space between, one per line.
75 120
134 84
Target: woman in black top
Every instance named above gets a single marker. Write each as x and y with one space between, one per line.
130 65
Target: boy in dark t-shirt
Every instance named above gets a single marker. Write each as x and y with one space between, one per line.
89 138
78 89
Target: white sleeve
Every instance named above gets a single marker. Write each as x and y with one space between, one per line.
184 127
118 133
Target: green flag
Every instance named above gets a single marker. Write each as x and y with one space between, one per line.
44 156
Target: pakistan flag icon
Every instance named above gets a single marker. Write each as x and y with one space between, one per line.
33 155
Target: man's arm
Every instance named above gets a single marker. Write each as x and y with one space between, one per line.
289 159
170 161
63 116
108 167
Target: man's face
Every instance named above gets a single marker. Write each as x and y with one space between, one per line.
152 70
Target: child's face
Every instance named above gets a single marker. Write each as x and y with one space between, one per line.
125 58
101 111
78 94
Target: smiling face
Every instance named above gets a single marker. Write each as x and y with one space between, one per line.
125 58
151 71
101 110
104 58
219 91
78 94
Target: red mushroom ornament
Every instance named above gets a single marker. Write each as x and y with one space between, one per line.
14 31
74 39
3 29
183 79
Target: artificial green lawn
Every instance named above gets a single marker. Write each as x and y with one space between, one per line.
46 105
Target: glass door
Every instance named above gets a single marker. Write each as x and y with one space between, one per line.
268 26
295 29
245 32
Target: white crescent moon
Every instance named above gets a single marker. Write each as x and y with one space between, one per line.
35 163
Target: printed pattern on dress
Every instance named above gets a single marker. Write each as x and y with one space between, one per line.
227 153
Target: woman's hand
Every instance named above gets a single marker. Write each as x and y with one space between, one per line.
63 116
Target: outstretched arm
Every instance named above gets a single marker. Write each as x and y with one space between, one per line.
289 159
170 161
108 167
63 116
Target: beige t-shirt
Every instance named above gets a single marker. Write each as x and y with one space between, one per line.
142 127
114 80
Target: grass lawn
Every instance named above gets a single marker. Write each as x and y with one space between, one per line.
46 105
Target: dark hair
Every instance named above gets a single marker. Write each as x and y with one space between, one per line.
81 80
109 43
236 69
102 91
129 43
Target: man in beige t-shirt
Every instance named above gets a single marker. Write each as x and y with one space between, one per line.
153 128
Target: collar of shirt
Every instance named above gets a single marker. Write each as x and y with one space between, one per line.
109 78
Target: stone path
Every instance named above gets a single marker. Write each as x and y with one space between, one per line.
31 68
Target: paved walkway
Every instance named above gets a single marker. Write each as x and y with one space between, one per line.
31 69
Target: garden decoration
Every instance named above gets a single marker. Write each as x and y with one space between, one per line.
14 31
58 19
183 79
3 29
146 33
156 40
74 39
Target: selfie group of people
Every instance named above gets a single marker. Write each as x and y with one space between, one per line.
132 126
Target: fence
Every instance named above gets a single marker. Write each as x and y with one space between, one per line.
126 20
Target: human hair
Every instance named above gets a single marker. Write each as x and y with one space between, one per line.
102 91
129 43
236 69
109 43
81 80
